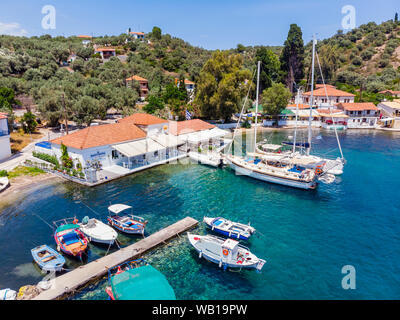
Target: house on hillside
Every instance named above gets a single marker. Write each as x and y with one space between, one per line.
137 35
391 93
5 146
86 40
105 53
325 97
190 87
143 85
362 115
390 114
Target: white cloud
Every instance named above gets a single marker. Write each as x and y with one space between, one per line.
12 29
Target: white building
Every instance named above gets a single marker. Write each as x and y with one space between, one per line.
190 87
5 147
137 35
134 143
390 114
361 115
327 97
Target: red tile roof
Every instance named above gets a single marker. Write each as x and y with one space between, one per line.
188 126
331 91
389 91
301 106
101 135
84 37
137 78
320 85
327 111
357 106
3 115
142 119
138 33
105 49
186 81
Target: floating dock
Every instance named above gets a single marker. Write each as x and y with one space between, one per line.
70 282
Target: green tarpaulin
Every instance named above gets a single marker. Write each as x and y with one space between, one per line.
143 283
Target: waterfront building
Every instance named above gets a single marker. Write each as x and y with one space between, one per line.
327 97
5 147
333 118
361 115
390 114
143 85
134 143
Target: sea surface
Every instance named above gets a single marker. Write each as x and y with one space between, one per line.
307 237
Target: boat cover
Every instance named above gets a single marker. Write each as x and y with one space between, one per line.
143 283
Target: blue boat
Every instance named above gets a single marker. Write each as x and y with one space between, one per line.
47 258
127 223
234 230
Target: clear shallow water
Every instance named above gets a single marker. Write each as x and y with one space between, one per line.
305 236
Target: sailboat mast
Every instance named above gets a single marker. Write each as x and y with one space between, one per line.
295 129
258 92
311 97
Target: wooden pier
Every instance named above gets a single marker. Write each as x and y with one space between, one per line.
68 283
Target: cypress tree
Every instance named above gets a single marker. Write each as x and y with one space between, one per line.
292 57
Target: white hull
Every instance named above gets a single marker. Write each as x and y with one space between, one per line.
272 179
211 248
4 183
99 232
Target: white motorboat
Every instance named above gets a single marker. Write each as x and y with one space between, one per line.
229 228
227 253
98 231
4 183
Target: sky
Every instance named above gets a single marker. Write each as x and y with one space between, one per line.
218 24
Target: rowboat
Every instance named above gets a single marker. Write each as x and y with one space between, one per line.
47 258
227 253
129 223
4 183
137 280
98 231
70 240
229 229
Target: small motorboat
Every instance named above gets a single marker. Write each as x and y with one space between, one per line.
70 239
8 294
137 280
230 229
47 258
129 224
4 183
227 253
97 231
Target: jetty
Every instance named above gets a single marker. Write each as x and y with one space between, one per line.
70 282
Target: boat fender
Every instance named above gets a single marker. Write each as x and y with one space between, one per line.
58 248
220 264
200 254
212 228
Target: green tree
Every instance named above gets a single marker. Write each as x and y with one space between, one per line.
275 99
154 104
292 57
222 85
7 98
156 33
269 67
29 123
86 109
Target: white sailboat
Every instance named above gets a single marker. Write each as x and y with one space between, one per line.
307 160
273 171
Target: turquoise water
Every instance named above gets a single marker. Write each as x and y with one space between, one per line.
305 236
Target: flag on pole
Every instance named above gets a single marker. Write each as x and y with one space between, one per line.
188 115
